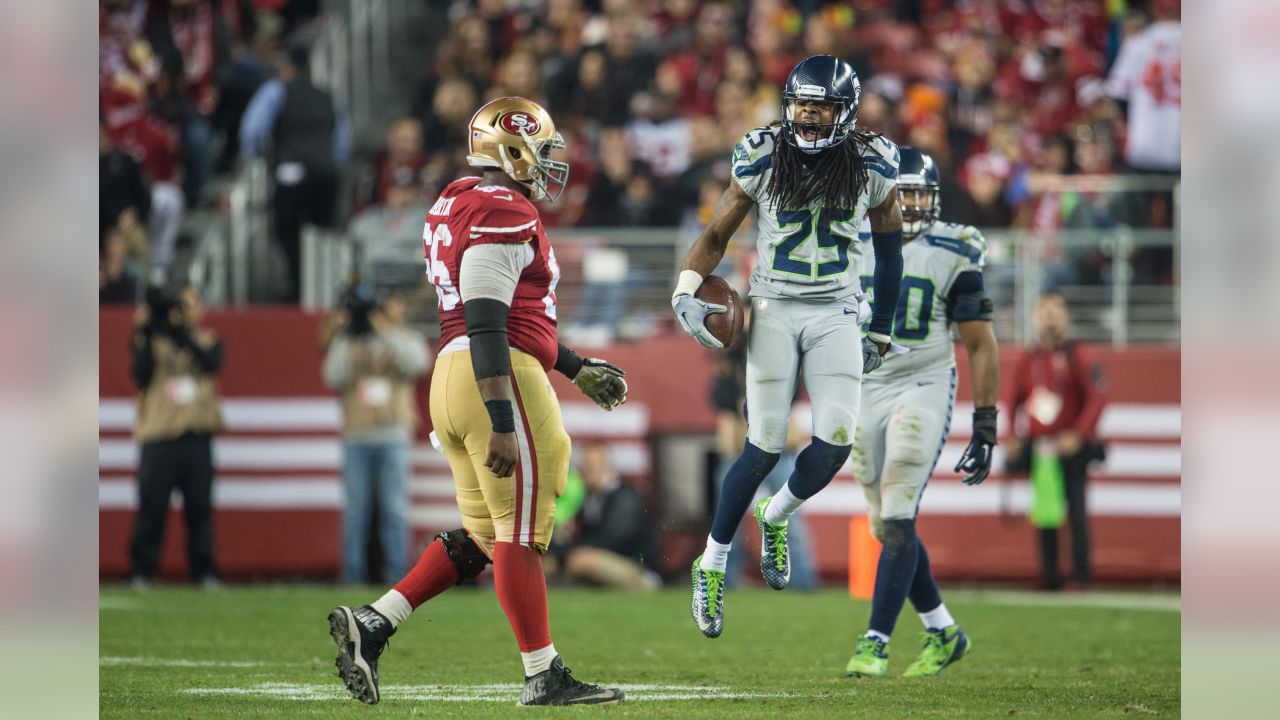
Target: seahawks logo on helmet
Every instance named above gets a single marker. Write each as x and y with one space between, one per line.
822 79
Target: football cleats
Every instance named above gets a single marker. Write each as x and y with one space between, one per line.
517 136
918 174
822 79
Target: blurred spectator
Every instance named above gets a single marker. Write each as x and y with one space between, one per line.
118 284
611 544
191 40
629 66
373 364
124 200
308 140
398 165
175 364
701 67
154 144
1147 75
453 103
249 67
1056 396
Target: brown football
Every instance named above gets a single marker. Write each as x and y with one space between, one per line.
725 326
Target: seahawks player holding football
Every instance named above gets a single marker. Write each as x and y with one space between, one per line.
906 414
812 178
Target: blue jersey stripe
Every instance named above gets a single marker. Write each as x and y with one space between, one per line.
959 247
754 168
882 167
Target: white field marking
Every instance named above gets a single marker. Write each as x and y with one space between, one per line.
480 693
1159 602
179 662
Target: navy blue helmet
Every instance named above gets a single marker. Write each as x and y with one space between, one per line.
917 175
824 79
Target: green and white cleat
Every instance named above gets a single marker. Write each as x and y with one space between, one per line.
870 658
775 561
941 648
708 599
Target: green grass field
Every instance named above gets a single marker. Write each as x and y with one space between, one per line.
265 652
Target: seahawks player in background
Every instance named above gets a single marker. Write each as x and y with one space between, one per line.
906 414
811 179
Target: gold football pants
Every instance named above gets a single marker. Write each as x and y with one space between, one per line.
518 509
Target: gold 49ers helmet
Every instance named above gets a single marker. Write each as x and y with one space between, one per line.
517 136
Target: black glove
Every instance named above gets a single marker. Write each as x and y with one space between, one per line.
602 382
873 352
976 460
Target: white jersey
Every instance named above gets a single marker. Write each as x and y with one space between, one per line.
930 264
810 253
1148 73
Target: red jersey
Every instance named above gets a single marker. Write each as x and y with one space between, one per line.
468 213
1057 389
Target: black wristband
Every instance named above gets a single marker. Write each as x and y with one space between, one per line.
568 363
984 423
501 415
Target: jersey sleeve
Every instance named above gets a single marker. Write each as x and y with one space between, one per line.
753 160
881 160
497 220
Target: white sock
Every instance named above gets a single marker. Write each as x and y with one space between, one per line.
878 634
393 606
937 618
538 660
716 557
781 507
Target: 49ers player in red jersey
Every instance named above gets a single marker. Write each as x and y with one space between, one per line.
495 415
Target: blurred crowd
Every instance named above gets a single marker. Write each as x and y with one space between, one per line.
651 96
174 80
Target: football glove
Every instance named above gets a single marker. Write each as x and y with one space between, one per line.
602 382
975 462
873 352
692 314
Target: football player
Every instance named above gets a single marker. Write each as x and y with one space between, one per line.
811 178
906 414
495 415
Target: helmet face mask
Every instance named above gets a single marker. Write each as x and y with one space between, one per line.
517 136
919 191
829 81
920 204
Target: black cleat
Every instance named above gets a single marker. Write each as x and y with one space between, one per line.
557 686
361 636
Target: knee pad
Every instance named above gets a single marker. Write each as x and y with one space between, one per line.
899 534
464 553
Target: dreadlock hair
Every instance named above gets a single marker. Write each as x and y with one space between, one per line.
836 175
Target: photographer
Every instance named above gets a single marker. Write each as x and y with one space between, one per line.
373 363
175 363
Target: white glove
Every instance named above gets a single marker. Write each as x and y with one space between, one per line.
692 314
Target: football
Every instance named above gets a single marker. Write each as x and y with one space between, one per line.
725 326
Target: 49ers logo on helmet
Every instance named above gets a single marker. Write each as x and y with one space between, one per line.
514 122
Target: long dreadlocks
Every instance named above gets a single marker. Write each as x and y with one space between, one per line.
836 176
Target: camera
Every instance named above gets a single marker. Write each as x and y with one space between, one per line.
360 303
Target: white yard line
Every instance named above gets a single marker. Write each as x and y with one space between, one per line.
180 662
478 693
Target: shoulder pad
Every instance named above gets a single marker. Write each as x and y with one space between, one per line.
963 240
754 153
881 156
499 214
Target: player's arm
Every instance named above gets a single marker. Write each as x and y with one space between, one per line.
886 241
971 310
488 277
702 259
598 379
